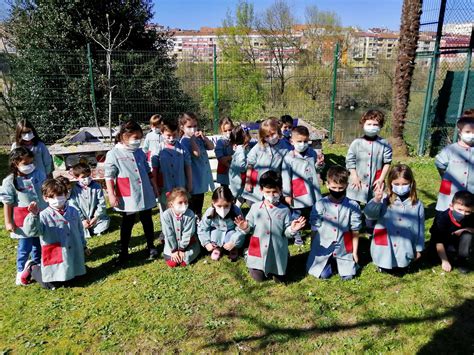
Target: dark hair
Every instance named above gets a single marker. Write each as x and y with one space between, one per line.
286 119
81 169
16 156
128 127
338 175
468 113
463 121
223 193
464 198
20 127
169 124
54 187
238 135
375 115
271 180
65 181
224 121
402 171
301 130
184 117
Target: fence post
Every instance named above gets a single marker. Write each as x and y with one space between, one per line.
91 79
334 92
462 97
216 97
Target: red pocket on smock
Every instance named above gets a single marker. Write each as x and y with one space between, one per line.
254 177
299 187
123 187
52 254
254 247
19 215
445 187
377 174
221 168
380 236
348 241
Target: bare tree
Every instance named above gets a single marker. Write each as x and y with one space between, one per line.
6 85
109 42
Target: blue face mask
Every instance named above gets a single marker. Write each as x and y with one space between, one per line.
401 190
458 216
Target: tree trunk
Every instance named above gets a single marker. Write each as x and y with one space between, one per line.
109 82
408 42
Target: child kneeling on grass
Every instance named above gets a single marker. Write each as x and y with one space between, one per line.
335 221
270 225
61 235
178 223
217 230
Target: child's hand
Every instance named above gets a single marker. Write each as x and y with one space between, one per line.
10 227
378 192
209 247
113 200
189 187
355 181
181 256
461 231
248 187
92 222
198 134
86 224
87 252
33 208
377 183
176 257
298 223
418 255
229 246
241 223
288 200
446 266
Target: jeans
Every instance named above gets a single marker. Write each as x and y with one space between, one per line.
27 246
331 269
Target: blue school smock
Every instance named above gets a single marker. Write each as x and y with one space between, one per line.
90 203
300 178
213 229
458 163
399 232
29 191
237 171
367 157
263 158
151 145
130 173
62 243
223 149
334 224
201 169
180 234
42 160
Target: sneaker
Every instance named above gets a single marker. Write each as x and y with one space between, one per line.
234 254
25 277
18 279
216 254
154 254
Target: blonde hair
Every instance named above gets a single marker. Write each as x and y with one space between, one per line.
270 123
402 171
155 120
175 193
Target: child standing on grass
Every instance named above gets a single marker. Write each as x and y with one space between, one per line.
130 186
197 145
62 238
88 198
335 222
153 138
300 178
26 136
455 164
399 234
217 229
19 189
267 155
452 232
224 151
368 158
179 228
269 224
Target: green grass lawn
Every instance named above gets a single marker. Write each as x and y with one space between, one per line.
215 306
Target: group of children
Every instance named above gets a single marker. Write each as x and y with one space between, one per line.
278 177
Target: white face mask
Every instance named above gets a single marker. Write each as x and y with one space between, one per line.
190 131
221 211
273 199
371 131
273 139
170 140
401 190
27 136
133 144
226 135
57 202
180 209
156 130
301 146
26 169
85 181
467 138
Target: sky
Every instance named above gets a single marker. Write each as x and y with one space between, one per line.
192 14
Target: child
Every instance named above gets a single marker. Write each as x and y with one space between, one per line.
266 155
224 151
368 158
19 189
335 222
88 198
27 137
399 235
452 231
455 164
154 138
62 237
270 225
300 178
241 141
130 186
172 165
217 228
197 145
179 227
286 122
